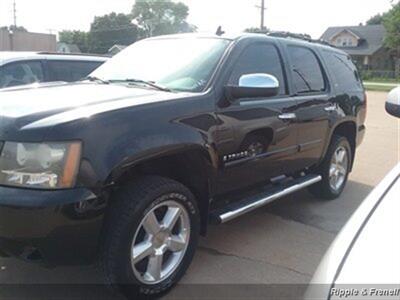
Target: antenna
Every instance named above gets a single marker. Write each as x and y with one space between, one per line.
15 13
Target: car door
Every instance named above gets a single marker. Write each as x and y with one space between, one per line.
310 89
256 136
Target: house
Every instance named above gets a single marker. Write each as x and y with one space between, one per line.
365 44
116 49
67 48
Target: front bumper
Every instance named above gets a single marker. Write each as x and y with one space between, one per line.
51 227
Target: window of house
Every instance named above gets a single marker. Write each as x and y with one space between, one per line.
21 73
350 42
306 70
259 58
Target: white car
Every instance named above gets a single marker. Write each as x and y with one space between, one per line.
364 260
23 68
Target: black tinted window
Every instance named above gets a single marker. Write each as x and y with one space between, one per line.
344 72
20 73
70 70
259 58
306 71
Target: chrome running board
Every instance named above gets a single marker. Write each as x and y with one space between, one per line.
239 208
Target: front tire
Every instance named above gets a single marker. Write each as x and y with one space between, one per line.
151 235
334 169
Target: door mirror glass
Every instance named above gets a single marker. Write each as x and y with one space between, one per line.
254 86
393 103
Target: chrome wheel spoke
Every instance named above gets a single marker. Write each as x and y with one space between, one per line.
176 243
342 170
332 170
171 217
141 251
340 156
151 225
154 267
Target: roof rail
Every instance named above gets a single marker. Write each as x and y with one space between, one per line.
73 54
299 36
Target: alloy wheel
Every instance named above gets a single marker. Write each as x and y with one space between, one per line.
338 168
160 242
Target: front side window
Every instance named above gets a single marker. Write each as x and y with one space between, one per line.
306 71
181 64
259 58
21 73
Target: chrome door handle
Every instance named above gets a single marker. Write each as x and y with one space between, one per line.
288 116
330 108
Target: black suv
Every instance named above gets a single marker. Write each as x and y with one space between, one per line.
130 166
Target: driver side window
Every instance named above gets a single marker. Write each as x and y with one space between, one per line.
259 58
21 73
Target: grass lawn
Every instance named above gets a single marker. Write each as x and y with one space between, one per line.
380 88
383 80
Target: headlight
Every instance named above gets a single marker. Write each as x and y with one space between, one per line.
42 166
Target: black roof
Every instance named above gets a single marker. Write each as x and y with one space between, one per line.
371 38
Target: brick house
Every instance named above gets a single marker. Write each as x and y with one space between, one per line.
26 41
365 44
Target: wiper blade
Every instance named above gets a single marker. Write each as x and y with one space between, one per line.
95 79
144 82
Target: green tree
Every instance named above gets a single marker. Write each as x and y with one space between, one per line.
13 28
157 17
77 37
392 25
112 29
377 19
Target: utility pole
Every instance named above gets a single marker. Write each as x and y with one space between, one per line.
262 14
15 13
263 9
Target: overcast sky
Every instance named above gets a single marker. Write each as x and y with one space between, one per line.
305 16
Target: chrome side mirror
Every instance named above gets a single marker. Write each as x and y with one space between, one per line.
254 86
393 103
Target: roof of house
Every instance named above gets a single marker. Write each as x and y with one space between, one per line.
371 38
117 47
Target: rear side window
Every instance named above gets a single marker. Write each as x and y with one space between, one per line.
344 71
70 70
21 73
259 58
306 70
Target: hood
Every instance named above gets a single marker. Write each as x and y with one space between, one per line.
44 106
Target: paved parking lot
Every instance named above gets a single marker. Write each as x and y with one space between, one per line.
281 243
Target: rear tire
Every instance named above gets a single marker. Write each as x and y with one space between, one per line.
334 169
150 237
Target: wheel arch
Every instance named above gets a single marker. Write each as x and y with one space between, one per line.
192 166
348 129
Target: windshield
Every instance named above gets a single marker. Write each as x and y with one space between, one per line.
177 64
